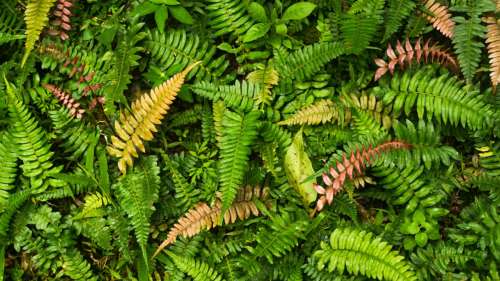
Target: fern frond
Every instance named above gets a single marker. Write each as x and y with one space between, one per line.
36 18
305 62
177 49
440 18
66 100
6 37
8 172
372 106
139 125
467 46
444 99
281 235
202 217
76 267
199 271
62 22
360 24
320 112
33 147
493 41
16 200
352 164
239 133
396 12
76 137
228 16
360 254
408 54
137 192
239 96
94 201
274 133
267 77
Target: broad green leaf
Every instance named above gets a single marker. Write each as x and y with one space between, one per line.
181 14
255 32
161 16
257 12
298 11
144 9
298 168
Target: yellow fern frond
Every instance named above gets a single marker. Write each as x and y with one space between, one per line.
267 77
493 41
202 217
372 106
139 125
36 18
318 113
441 18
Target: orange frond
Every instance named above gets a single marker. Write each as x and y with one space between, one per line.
202 217
441 18
493 41
351 167
408 54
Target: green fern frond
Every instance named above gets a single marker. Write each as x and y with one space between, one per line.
305 62
466 45
36 18
281 235
137 192
6 37
266 77
33 147
358 253
16 200
176 50
95 201
187 117
76 267
238 134
396 12
76 137
8 172
444 99
199 271
229 16
239 96
274 133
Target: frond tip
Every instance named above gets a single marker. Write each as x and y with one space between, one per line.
493 41
202 216
139 125
441 18
36 17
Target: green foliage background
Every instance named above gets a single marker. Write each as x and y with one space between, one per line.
284 91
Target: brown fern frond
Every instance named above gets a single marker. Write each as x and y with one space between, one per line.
139 125
408 54
202 217
493 41
62 23
66 100
318 113
440 18
350 167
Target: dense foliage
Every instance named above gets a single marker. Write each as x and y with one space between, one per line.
249 140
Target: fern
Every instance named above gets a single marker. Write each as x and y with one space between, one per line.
8 172
137 192
76 137
305 62
76 267
204 217
444 99
199 271
238 96
493 41
395 14
6 37
33 146
468 49
359 253
440 18
138 125
280 237
239 133
318 113
228 16
36 18
177 49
